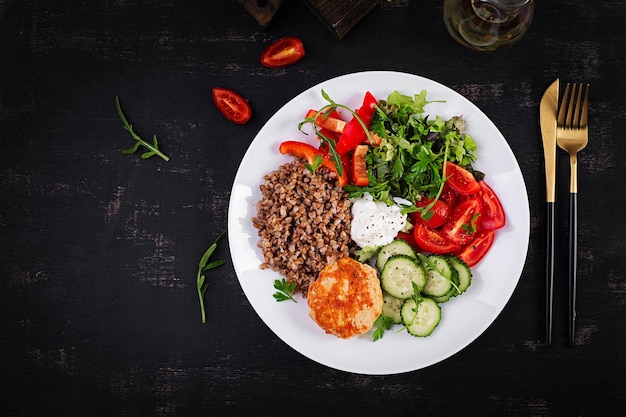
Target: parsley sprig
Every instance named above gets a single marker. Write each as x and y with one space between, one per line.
285 290
203 266
153 148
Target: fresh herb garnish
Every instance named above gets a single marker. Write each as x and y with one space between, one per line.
472 227
381 324
203 266
153 148
317 162
285 290
417 298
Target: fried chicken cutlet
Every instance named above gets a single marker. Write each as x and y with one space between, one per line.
346 299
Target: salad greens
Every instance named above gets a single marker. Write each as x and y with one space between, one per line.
203 266
410 161
153 148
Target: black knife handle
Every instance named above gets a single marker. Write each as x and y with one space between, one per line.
549 272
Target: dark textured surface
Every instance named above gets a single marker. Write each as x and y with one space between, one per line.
98 307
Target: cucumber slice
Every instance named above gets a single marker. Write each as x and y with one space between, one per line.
399 274
420 320
453 292
438 276
397 247
463 271
391 307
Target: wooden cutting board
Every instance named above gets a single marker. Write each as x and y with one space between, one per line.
261 10
338 15
341 15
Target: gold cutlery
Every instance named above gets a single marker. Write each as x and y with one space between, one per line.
572 136
548 114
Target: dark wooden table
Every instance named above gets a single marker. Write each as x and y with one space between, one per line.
98 306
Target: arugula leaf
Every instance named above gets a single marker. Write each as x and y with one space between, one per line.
203 266
153 148
285 290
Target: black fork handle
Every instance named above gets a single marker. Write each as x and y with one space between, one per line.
573 264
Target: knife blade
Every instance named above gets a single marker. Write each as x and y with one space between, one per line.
547 120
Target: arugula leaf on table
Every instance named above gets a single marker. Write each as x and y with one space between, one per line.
153 148
203 266
285 290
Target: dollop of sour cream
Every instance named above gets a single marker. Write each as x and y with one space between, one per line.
374 223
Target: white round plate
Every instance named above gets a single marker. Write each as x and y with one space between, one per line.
464 318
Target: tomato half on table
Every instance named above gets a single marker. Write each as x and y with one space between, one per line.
232 105
476 251
461 180
283 52
431 240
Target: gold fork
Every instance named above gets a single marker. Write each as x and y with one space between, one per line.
572 136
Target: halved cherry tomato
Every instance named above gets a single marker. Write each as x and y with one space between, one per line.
354 134
359 166
433 241
461 180
475 251
283 52
464 221
437 215
493 213
232 105
308 153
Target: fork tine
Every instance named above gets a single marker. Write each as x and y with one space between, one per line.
585 110
577 108
562 107
570 109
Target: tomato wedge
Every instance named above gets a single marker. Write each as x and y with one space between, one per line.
493 213
464 222
283 52
439 213
359 166
476 251
433 241
232 105
461 180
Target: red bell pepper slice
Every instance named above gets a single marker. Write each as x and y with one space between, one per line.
308 153
330 121
359 166
354 134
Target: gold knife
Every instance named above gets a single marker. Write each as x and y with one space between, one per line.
547 120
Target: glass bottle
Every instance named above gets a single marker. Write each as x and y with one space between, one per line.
487 25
